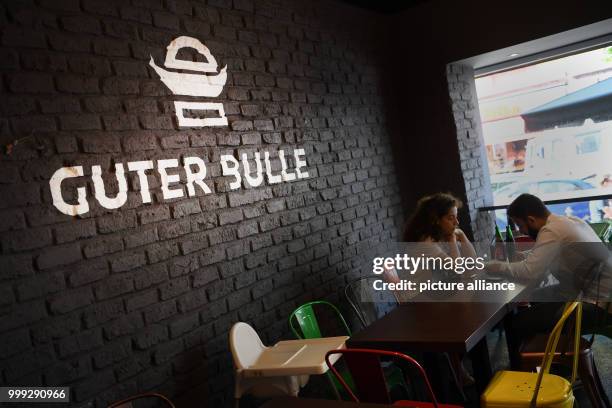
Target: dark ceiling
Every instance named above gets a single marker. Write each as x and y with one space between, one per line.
384 6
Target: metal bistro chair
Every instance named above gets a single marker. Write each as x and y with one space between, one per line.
306 318
309 328
127 403
531 351
307 321
366 371
369 305
516 389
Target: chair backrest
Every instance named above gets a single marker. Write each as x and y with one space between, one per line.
552 342
127 403
368 304
245 344
605 310
368 376
306 319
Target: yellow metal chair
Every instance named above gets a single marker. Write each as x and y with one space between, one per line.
515 389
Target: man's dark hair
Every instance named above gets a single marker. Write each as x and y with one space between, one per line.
527 205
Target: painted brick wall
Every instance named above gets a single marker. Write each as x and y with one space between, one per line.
464 102
142 297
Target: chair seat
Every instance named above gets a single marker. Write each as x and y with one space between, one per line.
531 356
422 404
510 389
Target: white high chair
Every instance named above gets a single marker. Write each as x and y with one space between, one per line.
247 348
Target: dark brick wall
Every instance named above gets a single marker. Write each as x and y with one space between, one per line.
142 297
464 101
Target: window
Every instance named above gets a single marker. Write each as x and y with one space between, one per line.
547 128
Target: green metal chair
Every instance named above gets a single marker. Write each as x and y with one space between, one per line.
308 323
309 328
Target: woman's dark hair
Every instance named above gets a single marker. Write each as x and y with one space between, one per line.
424 221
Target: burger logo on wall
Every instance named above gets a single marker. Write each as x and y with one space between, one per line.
193 84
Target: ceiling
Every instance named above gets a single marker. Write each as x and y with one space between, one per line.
384 6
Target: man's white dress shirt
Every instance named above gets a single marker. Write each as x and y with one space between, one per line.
568 248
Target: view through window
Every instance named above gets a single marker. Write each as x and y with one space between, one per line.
547 128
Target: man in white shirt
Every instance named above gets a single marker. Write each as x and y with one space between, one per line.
567 248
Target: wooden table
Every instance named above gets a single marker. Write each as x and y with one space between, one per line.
284 402
437 327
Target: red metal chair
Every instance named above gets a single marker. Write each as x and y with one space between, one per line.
366 371
127 403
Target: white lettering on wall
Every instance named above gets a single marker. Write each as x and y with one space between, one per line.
100 190
231 170
286 176
56 191
258 179
195 175
272 179
166 179
140 167
299 163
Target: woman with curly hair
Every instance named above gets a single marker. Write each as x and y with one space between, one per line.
435 220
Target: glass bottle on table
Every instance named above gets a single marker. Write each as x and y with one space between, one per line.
510 246
499 252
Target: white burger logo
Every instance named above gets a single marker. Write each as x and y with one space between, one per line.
189 84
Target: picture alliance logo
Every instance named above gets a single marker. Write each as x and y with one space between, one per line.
195 79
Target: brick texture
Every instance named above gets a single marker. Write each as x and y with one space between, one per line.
142 298
464 101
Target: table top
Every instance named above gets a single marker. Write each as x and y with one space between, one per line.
296 357
284 402
431 326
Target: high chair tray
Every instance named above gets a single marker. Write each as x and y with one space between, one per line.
296 357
